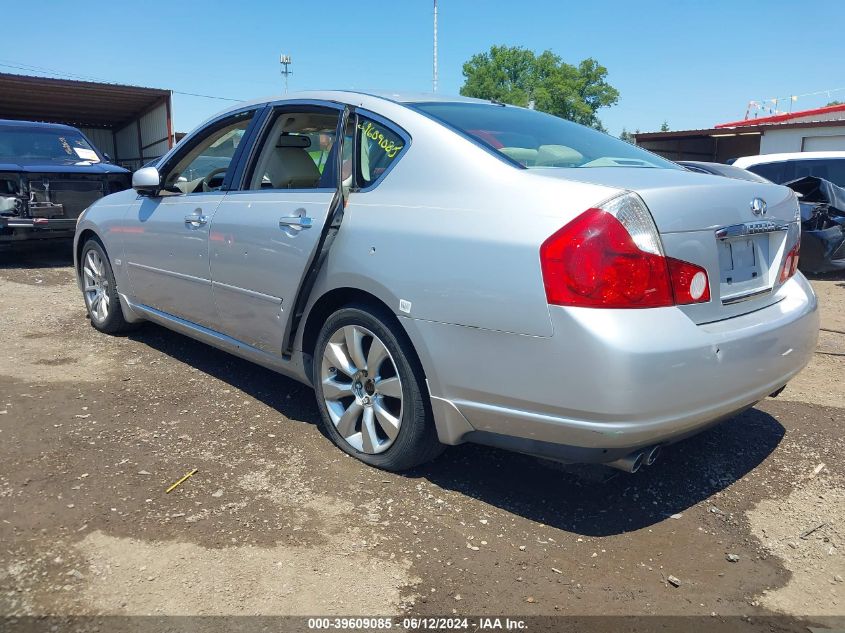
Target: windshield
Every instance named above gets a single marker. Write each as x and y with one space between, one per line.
535 140
52 145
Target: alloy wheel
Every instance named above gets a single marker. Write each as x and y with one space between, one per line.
95 286
362 389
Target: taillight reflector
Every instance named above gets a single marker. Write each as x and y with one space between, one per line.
790 262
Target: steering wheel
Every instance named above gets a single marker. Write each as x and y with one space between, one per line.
206 182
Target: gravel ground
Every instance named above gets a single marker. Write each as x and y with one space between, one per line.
747 519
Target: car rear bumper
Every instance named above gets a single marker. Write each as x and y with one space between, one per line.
612 381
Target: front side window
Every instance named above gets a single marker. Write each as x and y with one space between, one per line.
537 140
203 167
297 152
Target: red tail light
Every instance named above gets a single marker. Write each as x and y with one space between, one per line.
611 258
790 262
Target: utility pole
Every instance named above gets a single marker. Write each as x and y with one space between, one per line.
434 77
285 61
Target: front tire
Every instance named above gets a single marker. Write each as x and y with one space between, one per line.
100 289
371 391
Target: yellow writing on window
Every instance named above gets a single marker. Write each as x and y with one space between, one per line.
371 132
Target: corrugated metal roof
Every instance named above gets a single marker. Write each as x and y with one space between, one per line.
79 103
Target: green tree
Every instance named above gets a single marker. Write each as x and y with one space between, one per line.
664 127
515 75
834 103
628 137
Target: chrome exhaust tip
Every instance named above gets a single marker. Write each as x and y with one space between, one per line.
630 463
653 454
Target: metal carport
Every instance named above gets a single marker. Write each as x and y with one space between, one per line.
132 124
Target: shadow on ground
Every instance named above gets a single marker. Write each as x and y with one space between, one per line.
599 501
587 500
54 253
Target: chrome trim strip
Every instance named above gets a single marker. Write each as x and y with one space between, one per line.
749 228
171 273
747 297
250 293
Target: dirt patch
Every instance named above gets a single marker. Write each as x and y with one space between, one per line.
821 381
127 576
276 516
806 530
32 337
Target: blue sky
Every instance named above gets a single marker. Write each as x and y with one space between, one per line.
692 64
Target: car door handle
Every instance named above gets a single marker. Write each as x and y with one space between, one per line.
196 219
300 221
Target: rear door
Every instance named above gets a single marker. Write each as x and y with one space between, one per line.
264 235
166 237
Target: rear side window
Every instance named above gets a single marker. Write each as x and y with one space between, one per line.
831 169
379 147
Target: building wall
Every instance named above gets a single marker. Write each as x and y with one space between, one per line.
793 139
103 139
142 140
704 148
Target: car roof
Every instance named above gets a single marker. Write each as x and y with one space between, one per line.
362 98
760 159
35 124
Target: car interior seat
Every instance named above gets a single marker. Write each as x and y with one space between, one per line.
291 168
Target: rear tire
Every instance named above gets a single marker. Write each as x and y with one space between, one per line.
100 290
371 390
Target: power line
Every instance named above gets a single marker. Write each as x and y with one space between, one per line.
66 75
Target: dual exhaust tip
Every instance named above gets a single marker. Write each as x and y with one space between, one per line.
634 461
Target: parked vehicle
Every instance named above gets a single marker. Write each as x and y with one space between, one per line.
822 224
49 173
720 169
462 270
783 168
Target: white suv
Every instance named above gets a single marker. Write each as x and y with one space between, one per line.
781 168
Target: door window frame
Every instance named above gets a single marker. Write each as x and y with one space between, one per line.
190 142
249 157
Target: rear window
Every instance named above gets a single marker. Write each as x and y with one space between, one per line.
537 140
50 145
832 169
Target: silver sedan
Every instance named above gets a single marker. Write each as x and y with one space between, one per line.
448 270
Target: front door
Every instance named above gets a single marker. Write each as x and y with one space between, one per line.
166 248
264 235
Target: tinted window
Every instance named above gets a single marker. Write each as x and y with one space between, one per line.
831 169
378 147
51 145
296 152
535 139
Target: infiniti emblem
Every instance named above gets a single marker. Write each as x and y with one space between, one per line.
758 206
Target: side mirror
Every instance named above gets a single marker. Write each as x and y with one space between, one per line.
146 181
107 157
